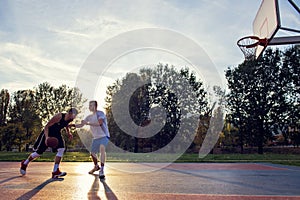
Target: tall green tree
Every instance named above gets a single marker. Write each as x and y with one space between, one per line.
22 113
161 88
258 97
51 100
4 103
12 137
291 72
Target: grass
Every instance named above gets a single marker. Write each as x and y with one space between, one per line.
285 159
46 157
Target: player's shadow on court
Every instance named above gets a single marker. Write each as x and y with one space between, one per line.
9 179
93 192
34 191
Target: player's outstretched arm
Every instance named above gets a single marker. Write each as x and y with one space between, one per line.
83 122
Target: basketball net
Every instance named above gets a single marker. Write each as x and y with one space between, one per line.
249 44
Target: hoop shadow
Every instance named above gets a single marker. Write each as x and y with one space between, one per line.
92 194
34 191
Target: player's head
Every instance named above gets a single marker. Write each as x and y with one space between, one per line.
93 105
73 112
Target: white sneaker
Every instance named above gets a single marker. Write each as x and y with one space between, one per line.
23 168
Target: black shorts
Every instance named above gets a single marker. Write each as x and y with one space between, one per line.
40 146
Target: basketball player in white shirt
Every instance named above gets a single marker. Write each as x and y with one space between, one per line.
98 126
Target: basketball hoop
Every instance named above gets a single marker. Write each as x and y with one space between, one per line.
249 44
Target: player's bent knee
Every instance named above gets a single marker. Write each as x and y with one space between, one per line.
60 152
39 152
35 155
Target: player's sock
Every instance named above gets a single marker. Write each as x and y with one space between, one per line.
102 169
101 172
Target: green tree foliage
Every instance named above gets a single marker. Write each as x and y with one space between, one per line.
261 95
156 89
4 103
29 110
291 63
12 137
205 119
22 112
51 100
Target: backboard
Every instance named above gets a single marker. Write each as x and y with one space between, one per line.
266 22
267 27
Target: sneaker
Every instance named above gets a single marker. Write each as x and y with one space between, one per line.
101 174
23 168
58 173
96 168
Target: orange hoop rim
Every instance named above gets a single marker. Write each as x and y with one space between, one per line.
249 45
256 39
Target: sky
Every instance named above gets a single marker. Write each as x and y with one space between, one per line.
54 41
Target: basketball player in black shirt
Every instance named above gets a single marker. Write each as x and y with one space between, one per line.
52 129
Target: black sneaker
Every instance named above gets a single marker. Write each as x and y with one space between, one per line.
58 173
101 174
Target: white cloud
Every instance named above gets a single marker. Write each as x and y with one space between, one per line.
25 63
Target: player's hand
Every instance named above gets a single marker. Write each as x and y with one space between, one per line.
72 126
70 136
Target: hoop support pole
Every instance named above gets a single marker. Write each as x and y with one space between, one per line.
285 40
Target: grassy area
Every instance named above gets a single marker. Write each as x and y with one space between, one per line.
285 159
46 157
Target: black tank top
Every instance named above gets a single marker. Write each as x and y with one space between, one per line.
56 128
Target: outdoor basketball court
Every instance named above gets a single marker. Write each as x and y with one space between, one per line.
176 181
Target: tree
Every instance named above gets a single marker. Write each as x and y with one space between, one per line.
259 97
11 136
22 113
291 71
51 100
30 109
4 103
165 95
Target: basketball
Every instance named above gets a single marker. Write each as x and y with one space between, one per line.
146 122
52 142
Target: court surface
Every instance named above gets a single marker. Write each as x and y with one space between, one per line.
146 181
